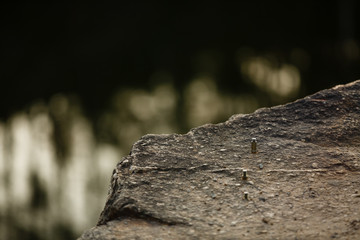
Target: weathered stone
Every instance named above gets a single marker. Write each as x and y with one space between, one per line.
191 186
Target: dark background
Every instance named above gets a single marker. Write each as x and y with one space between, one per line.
93 50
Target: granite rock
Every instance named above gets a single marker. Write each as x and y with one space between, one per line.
191 186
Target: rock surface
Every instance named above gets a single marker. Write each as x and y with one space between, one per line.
303 182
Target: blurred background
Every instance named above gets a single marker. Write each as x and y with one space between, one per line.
81 83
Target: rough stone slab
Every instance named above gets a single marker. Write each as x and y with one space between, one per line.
190 186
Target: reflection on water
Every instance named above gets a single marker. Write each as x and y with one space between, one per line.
39 196
283 80
205 104
135 112
54 172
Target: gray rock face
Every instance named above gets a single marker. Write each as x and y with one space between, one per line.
303 182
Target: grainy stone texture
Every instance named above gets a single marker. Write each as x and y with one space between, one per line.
303 183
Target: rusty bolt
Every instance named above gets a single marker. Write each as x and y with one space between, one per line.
246 195
253 145
244 176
